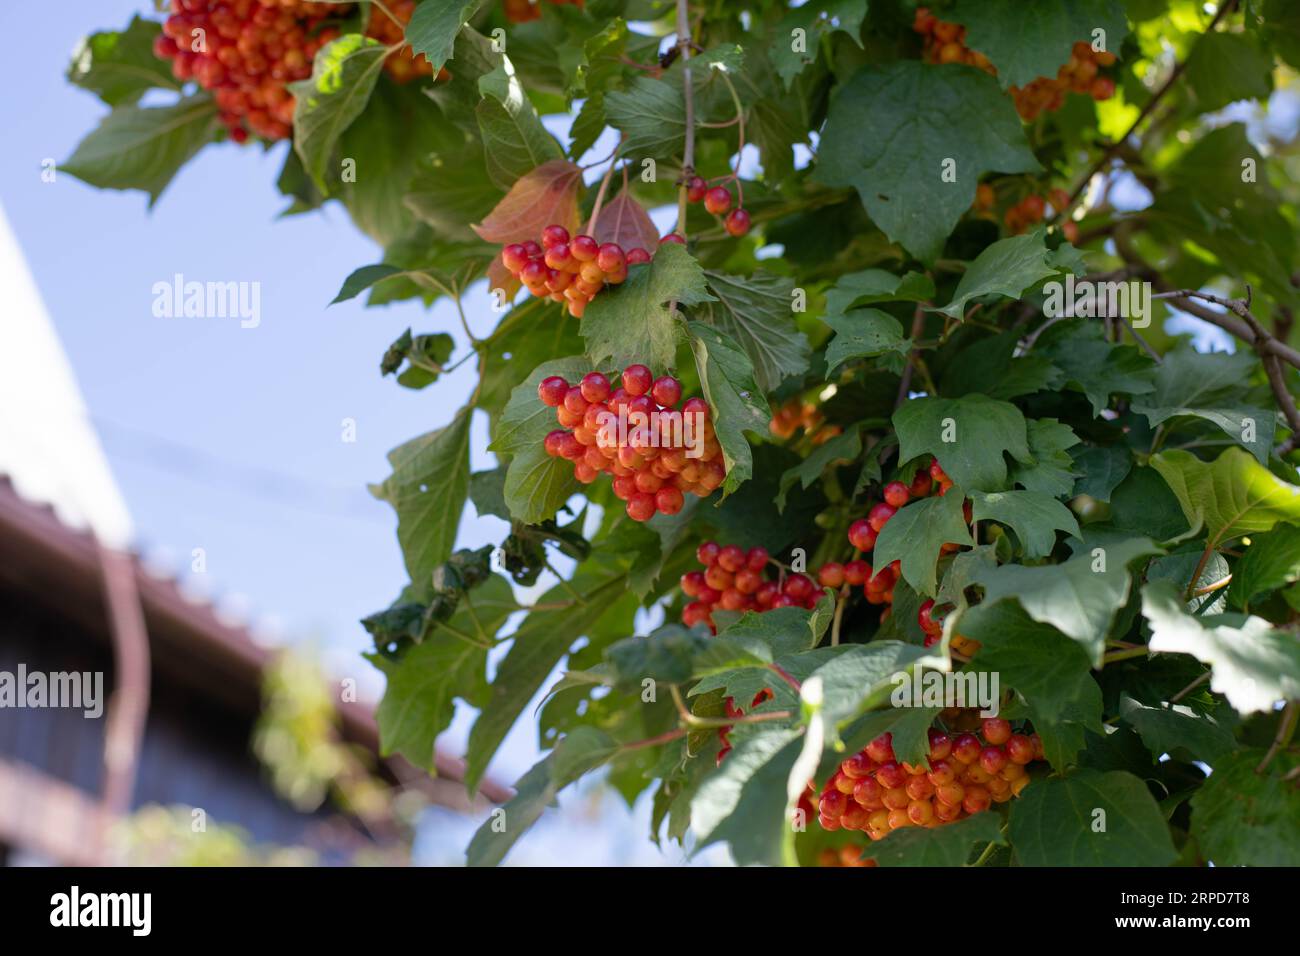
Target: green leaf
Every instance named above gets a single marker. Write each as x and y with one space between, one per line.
968 435
541 642
1006 268
758 313
1035 517
892 131
578 753
514 139
1210 386
1230 496
841 448
1272 561
1026 41
451 662
877 285
797 38
1089 819
737 405
1254 666
427 489
651 115
137 147
915 534
118 66
362 279
631 322
434 25
1225 67
1079 597
863 333
1101 468
863 676
1243 818
991 367
343 76
424 355
937 846
536 484
1143 504
1178 730
1094 366
1050 469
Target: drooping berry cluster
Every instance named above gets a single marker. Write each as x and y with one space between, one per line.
654 464
945 43
248 51
849 855
1029 211
717 200
571 270
796 414
874 793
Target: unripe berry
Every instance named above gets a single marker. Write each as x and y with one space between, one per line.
551 390
611 258
717 200
584 248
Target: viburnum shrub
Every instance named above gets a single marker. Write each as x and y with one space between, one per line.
913 270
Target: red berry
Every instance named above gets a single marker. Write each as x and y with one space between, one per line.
920 486
891 774
534 272
940 745
552 442
857 572
925 617
881 749
707 553
737 222
717 200
857 766
674 238
637 379
611 258
977 799
996 730
554 235
595 387
641 506
993 759
766 594
861 535
937 472
696 187
831 574
584 248
783 600
514 257
692 582
669 500
1020 749
731 558
666 391
532 250
799 587
551 390
966 748
636 256
756 559
879 515
896 494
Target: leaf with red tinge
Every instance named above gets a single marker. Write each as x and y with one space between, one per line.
499 277
623 220
546 196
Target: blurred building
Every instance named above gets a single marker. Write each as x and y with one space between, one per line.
181 688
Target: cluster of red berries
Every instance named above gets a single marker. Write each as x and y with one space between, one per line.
724 733
849 855
796 414
572 270
945 43
248 51
874 793
735 580
717 201
650 460
521 11
402 65
1029 211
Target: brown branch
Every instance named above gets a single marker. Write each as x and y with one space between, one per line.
918 326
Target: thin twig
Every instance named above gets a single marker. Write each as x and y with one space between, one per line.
1189 688
918 326
1285 731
